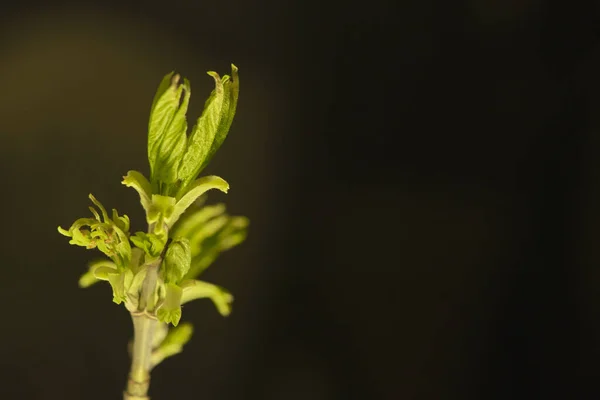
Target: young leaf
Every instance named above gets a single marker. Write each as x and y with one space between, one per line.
160 333
173 343
122 249
207 248
203 133
167 131
231 90
103 272
212 127
160 212
149 242
205 231
137 259
170 310
193 289
120 283
177 261
165 83
192 220
194 191
102 233
89 278
101 207
79 234
133 292
139 182
234 233
179 336
122 222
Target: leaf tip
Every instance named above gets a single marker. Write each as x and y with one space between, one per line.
223 185
214 75
175 78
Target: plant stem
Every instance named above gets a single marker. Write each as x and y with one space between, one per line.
139 376
144 325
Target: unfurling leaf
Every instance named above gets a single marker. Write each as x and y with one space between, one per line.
160 213
103 233
177 261
210 232
160 333
173 343
195 218
139 182
231 90
195 191
193 289
167 132
120 283
212 127
134 290
89 278
170 309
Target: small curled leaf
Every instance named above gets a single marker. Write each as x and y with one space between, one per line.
138 181
120 283
194 191
194 289
89 278
103 233
172 343
192 220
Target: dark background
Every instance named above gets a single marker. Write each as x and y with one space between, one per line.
422 180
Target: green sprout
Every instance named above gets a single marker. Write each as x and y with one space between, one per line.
153 273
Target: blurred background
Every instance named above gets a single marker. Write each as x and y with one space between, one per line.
422 180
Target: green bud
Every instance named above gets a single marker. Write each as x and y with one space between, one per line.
150 243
